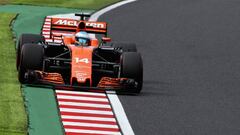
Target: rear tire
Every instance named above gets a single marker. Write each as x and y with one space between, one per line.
31 58
126 47
27 38
132 67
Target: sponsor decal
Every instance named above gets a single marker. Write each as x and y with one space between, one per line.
75 23
84 60
95 25
81 76
66 22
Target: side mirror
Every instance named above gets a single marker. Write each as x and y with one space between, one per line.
106 39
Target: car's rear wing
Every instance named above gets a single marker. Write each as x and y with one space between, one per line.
57 27
73 25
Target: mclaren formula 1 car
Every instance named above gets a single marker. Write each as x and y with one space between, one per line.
56 60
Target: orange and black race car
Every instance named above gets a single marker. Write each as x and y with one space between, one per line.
68 57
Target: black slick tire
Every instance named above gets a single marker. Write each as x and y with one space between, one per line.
27 38
31 58
132 67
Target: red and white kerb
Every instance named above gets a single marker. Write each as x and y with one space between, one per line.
86 113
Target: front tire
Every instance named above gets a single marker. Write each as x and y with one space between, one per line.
31 58
132 67
24 39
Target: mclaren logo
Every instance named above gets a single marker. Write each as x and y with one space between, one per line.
75 23
95 25
66 22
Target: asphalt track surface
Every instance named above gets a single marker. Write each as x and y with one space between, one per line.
191 53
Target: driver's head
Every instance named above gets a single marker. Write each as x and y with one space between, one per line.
82 38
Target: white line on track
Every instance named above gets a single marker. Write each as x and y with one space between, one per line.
117 106
97 14
120 115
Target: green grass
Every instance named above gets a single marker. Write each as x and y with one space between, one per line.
81 4
12 113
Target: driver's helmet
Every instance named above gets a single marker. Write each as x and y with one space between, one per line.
82 38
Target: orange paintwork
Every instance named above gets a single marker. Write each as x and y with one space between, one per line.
68 40
81 59
81 63
62 31
94 42
55 78
106 82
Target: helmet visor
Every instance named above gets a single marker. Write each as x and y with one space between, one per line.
82 40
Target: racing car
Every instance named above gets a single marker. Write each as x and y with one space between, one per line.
62 60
